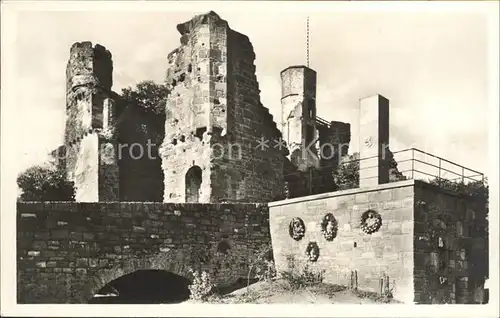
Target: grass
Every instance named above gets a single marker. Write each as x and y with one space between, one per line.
280 292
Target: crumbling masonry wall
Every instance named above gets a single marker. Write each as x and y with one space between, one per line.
298 114
214 118
90 137
451 246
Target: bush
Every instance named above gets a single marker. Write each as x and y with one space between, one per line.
201 286
301 278
476 189
262 264
265 271
45 184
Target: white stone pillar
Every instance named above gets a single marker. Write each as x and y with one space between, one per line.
373 141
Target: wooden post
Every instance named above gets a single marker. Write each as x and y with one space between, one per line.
356 277
351 281
387 285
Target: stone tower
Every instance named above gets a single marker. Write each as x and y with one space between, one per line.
214 119
90 137
298 105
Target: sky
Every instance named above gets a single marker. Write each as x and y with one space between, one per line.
432 66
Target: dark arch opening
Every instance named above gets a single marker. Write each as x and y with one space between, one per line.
193 184
144 287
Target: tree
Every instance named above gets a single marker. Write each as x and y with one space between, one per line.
147 95
347 174
40 183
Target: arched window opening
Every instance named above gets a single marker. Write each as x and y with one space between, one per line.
193 184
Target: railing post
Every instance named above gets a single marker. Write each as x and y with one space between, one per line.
439 171
412 163
463 174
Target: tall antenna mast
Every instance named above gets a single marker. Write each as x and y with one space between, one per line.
307 42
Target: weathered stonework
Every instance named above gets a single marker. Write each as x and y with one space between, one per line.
90 110
214 119
404 248
66 252
450 247
298 104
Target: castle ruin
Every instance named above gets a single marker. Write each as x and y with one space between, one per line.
197 190
207 146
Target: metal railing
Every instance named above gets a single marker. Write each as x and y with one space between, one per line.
417 164
405 164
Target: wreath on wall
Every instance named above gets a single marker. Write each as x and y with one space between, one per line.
329 227
312 251
371 221
297 229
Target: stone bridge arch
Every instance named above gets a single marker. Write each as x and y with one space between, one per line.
67 251
165 261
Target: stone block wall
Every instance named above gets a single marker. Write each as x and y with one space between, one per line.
256 175
90 109
190 124
451 247
214 118
385 253
333 141
66 252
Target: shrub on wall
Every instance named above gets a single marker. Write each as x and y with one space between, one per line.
40 183
476 189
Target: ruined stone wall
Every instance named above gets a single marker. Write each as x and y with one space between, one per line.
188 128
298 111
387 252
256 175
451 248
140 134
214 118
334 139
66 252
89 124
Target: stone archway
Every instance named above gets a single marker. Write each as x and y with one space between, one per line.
151 286
170 262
